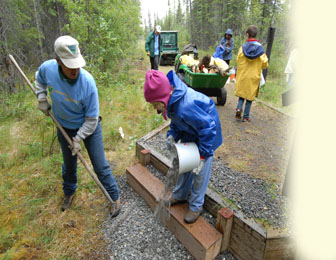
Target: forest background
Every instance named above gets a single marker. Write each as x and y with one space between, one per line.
111 41
109 30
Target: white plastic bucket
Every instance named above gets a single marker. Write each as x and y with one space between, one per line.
188 156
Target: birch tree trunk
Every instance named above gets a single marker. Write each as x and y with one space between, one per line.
38 27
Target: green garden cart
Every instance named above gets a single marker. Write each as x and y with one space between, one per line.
210 84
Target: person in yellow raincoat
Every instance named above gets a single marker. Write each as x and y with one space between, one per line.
251 60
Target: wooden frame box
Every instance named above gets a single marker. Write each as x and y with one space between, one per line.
247 239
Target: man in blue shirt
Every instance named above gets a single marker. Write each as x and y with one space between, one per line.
75 105
153 47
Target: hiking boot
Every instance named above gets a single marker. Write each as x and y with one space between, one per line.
172 201
192 216
238 114
115 208
245 119
67 201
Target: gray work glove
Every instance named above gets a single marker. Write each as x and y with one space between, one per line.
200 166
170 142
44 105
76 145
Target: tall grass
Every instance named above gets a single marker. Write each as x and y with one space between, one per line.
32 224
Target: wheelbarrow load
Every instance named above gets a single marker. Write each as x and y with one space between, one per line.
208 79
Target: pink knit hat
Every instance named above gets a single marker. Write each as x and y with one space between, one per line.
157 88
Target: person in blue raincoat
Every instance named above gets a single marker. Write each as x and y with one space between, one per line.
225 47
194 118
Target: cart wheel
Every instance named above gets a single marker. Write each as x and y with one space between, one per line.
221 98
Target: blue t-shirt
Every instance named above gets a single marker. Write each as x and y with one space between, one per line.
156 44
70 103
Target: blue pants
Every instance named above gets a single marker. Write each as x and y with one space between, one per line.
195 184
247 106
95 147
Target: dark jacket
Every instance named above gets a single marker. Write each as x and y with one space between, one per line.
149 45
194 117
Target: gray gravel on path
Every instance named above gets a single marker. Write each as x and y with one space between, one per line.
256 198
136 234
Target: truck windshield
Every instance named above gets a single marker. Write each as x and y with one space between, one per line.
169 38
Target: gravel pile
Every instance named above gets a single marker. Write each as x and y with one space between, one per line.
136 234
158 143
254 197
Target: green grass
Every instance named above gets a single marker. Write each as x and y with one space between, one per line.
271 92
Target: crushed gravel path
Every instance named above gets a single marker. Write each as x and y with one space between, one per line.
254 197
136 234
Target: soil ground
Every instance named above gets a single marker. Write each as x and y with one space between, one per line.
260 147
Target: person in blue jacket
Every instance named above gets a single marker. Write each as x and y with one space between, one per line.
75 105
194 118
225 47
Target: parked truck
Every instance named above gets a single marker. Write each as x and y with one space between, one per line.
169 47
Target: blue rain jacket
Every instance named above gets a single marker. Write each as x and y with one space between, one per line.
194 117
222 51
219 51
253 49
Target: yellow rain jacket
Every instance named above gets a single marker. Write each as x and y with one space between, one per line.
219 62
251 60
188 60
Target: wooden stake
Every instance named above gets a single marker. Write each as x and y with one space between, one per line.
145 157
224 225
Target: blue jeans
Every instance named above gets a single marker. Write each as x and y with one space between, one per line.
95 147
247 107
197 184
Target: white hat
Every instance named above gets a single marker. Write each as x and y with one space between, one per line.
158 28
66 48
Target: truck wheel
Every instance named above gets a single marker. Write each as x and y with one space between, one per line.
221 98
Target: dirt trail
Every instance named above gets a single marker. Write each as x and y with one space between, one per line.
260 147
